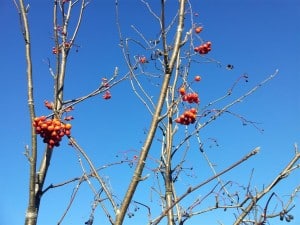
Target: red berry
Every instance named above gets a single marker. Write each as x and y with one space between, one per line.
197 78
42 118
51 142
44 126
68 126
50 128
205 45
177 120
193 110
107 95
198 29
182 91
61 134
67 45
67 132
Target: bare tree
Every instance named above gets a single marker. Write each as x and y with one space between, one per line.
177 119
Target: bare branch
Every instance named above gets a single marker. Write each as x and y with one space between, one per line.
192 189
283 174
95 173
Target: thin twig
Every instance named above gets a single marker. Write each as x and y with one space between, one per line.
192 189
101 181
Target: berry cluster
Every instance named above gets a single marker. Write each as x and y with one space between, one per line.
188 117
189 97
56 50
204 48
51 130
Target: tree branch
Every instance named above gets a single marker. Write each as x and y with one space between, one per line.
155 120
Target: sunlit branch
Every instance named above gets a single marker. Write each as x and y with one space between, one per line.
33 205
82 7
58 56
169 66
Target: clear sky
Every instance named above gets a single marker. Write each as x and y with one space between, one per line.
256 36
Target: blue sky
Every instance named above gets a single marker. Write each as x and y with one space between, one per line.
257 37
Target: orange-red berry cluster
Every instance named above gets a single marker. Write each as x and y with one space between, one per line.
189 97
51 130
204 48
188 117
